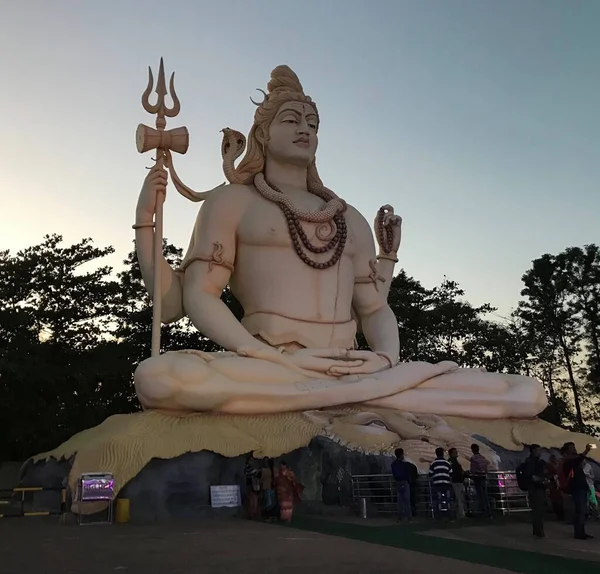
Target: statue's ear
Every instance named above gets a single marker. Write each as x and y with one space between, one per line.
261 139
260 135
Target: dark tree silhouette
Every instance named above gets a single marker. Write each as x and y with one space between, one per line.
72 333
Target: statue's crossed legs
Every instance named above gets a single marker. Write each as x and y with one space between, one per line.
261 383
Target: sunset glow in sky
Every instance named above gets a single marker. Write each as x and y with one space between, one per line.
477 119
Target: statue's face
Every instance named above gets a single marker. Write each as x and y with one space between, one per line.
293 134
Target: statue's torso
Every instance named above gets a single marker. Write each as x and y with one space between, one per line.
283 297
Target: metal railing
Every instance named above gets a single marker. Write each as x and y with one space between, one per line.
379 491
14 501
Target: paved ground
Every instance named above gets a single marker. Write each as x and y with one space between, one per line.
231 546
237 546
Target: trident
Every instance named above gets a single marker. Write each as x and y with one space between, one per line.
164 142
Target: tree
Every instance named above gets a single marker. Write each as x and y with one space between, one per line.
438 324
454 324
496 347
72 334
55 314
547 311
70 339
410 302
582 267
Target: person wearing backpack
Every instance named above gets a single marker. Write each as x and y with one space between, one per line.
533 476
577 486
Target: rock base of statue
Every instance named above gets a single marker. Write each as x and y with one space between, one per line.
165 465
179 488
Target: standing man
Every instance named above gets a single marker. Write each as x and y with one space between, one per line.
535 472
458 482
440 477
578 486
402 473
478 472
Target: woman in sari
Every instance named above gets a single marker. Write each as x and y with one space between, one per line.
288 491
252 489
555 493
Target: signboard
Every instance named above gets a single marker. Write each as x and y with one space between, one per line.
225 496
96 486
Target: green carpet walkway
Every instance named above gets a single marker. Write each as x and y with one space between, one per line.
410 537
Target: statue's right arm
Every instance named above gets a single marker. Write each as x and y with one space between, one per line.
208 266
171 281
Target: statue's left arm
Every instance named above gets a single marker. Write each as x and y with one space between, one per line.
379 324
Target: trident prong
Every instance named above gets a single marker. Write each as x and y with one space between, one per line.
151 109
159 108
172 112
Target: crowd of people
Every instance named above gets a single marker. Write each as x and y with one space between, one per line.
566 482
271 493
447 481
558 483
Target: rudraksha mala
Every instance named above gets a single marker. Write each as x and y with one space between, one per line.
337 243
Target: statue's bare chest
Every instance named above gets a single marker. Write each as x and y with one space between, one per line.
264 225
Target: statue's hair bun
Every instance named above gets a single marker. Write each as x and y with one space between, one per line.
283 78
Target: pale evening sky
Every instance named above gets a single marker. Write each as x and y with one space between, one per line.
477 119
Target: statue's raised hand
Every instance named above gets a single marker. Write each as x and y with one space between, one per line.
155 183
388 230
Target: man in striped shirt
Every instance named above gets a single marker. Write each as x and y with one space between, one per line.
440 479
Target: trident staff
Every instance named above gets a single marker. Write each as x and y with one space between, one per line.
163 142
